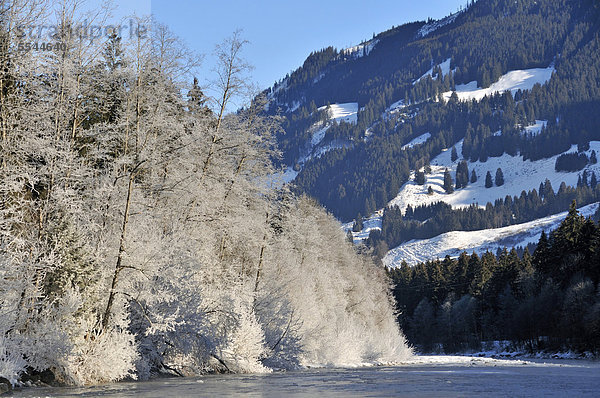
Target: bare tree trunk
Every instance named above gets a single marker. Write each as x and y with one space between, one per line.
119 265
260 260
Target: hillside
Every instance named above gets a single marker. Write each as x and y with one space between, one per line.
526 78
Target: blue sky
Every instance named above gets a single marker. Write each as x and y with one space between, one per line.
283 33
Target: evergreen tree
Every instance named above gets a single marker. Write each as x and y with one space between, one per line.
453 154
473 176
499 177
462 174
593 181
448 183
488 180
358 224
429 190
420 178
593 158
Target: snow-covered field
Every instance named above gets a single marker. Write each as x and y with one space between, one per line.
369 224
455 242
435 25
519 175
343 112
417 141
445 66
536 128
512 81
361 50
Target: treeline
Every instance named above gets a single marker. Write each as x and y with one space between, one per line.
427 221
546 301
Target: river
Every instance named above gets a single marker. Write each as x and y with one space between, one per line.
426 376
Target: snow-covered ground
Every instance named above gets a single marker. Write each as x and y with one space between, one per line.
395 107
445 66
455 242
343 112
536 128
512 81
417 141
435 25
369 224
346 112
519 175
362 49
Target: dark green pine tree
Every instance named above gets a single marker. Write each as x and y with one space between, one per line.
473 176
541 254
462 174
499 177
453 154
448 183
488 180
420 178
429 190
593 181
593 158
358 224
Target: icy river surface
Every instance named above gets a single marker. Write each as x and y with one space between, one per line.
425 376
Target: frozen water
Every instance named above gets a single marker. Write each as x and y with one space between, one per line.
426 376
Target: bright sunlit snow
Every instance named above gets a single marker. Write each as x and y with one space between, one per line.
445 70
343 112
369 224
512 81
362 49
417 141
435 25
455 242
519 175
536 128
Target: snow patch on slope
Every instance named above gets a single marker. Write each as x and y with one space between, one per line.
361 50
512 81
455 242
346 112
536 128
343 112
435 25
445 66
519 175
373 222
417 141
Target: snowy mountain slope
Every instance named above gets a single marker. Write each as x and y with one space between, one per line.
445 66
361 50
371 223
337 113
343 112
512 81
418 141
435 25
455 242
519 175
536 128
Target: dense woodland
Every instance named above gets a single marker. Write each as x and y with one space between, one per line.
141 231
546 301
484 41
